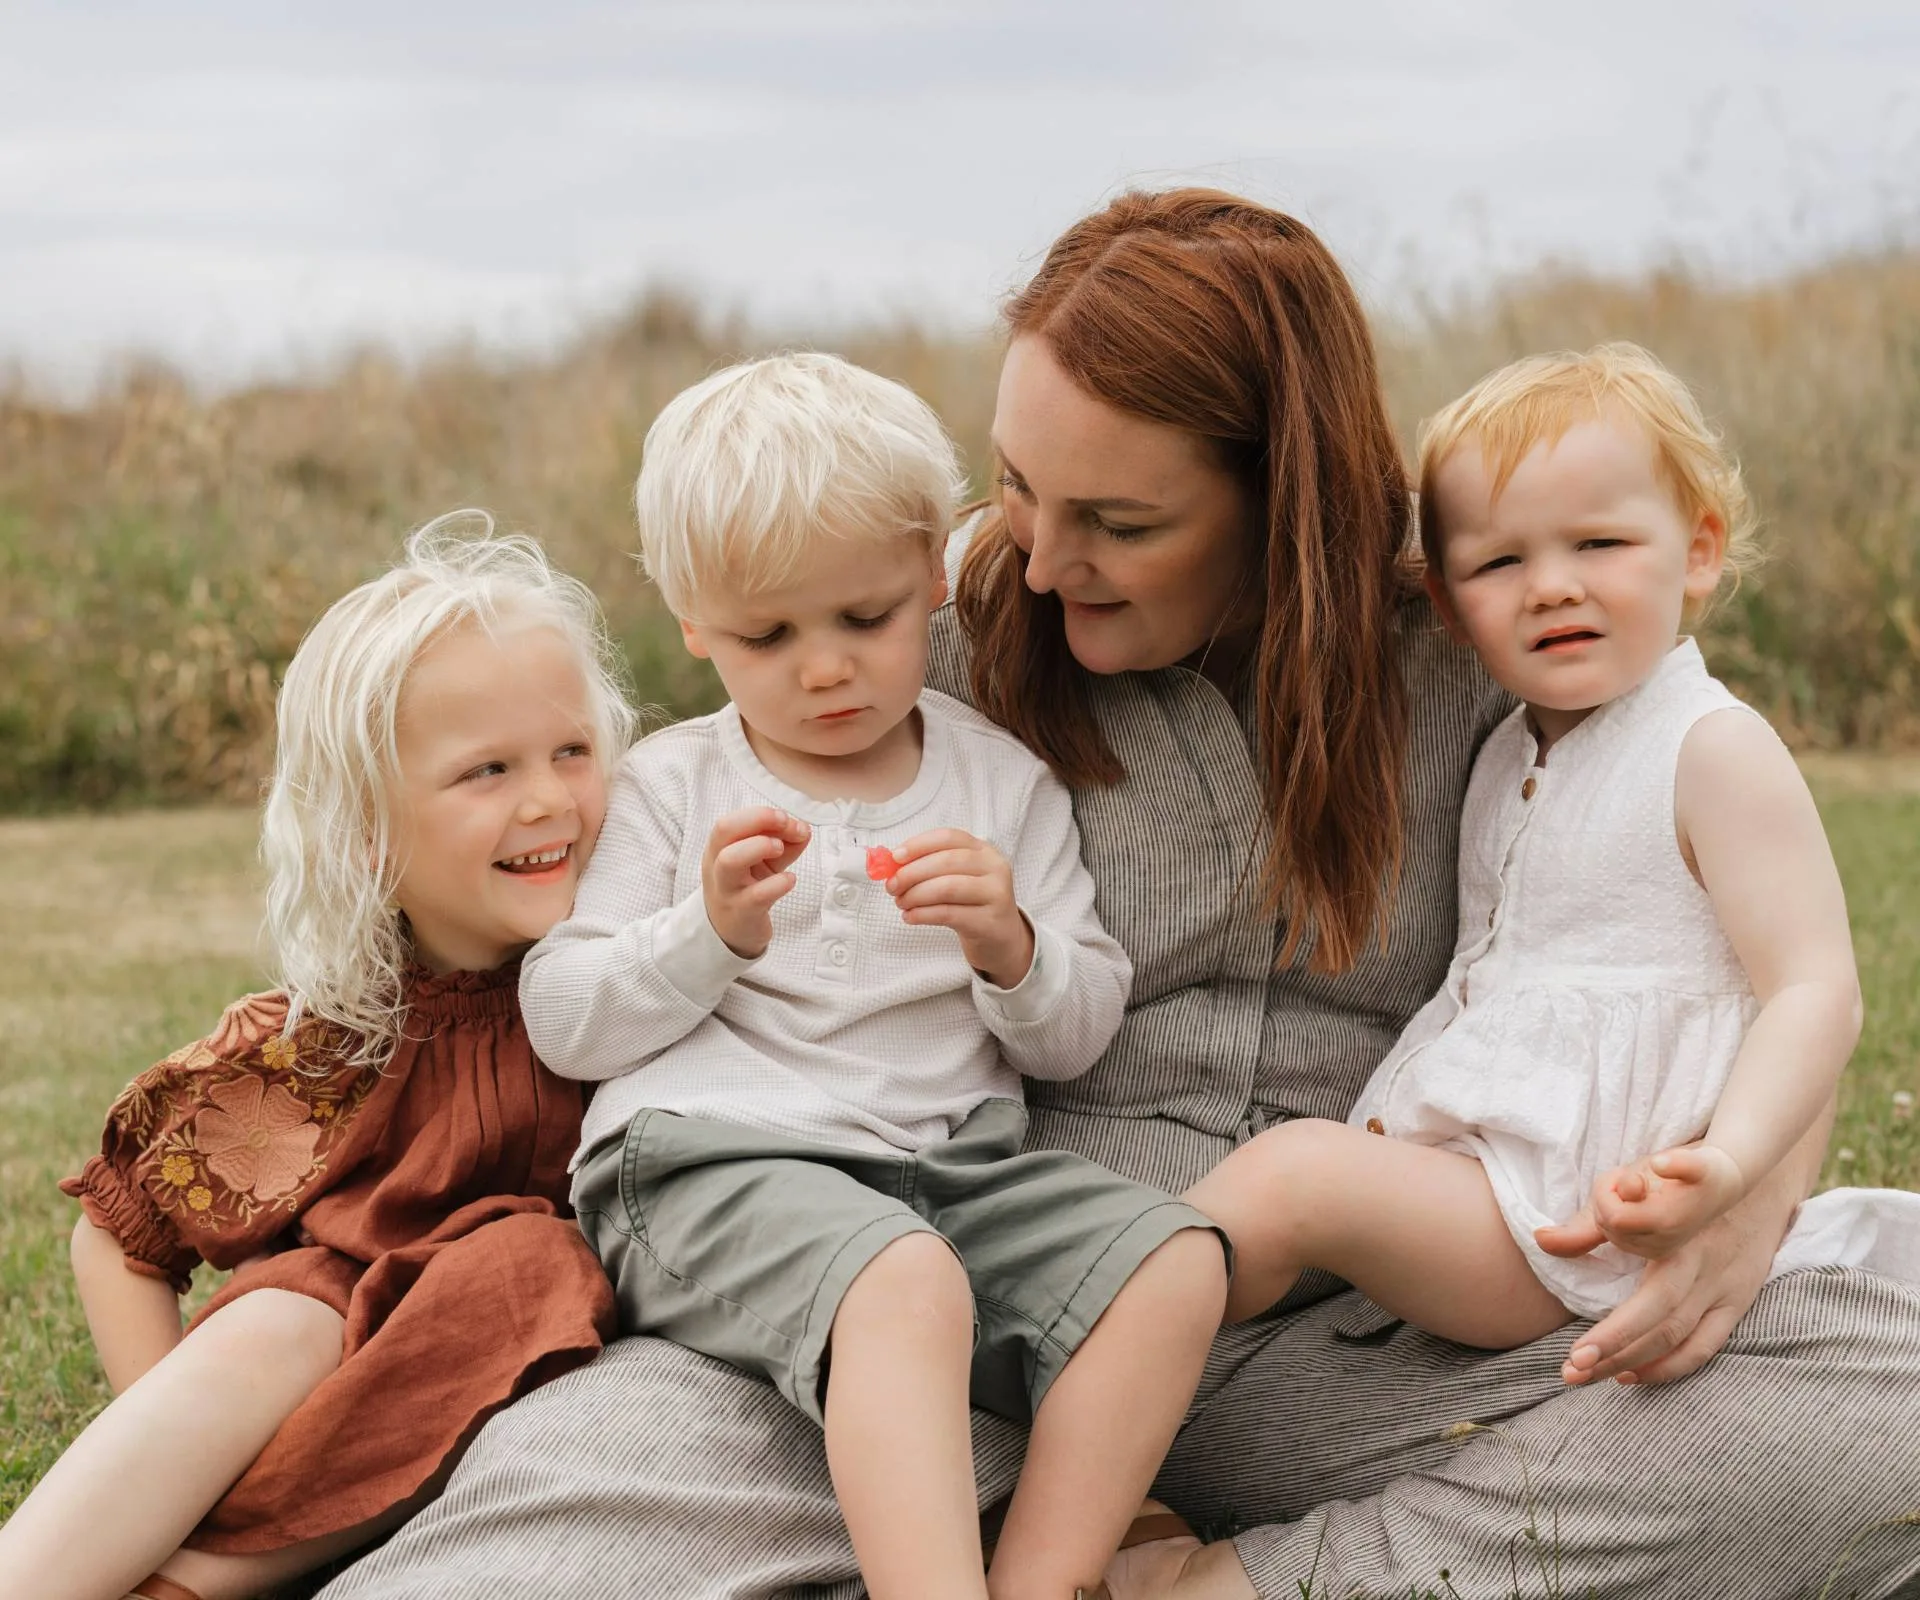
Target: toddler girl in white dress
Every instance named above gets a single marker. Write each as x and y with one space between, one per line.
1652 993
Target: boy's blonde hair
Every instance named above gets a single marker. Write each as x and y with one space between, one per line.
336 939
744 472
1537 399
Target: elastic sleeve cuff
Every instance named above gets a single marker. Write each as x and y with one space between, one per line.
692 957
1044 986
114 1206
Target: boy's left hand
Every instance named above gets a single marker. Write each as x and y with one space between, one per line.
950 879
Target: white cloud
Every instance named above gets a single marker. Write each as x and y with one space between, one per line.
233 186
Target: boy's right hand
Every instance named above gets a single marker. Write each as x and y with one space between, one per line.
744 871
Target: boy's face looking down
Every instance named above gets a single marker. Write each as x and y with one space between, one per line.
825 670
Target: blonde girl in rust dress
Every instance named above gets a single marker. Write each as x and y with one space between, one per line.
376 1130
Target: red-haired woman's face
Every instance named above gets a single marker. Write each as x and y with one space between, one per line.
1133 524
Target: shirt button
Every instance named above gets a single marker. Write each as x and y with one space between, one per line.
837 954
1375 1125
1490 912
843 895
1527 789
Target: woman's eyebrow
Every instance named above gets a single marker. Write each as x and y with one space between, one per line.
1097 503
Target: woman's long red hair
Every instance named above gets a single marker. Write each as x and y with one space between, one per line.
1220 317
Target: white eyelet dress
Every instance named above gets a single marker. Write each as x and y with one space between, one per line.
1593 1006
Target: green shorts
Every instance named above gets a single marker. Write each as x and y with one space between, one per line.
741 1244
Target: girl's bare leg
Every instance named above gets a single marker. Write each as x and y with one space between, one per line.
150 1466
1100 1433
1415 1229
899 1442
216 1577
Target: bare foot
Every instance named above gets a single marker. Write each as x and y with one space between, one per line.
1179 1569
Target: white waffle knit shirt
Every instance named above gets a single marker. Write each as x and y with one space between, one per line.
853 1027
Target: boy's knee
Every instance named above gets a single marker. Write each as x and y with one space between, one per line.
1190 1268
916 1275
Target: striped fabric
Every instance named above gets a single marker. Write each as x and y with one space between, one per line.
1324 1433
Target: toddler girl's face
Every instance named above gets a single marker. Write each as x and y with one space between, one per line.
500 794
1571 584
827 667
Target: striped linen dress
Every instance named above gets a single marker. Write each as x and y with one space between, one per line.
1324 1434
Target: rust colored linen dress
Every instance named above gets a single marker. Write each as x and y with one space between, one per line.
424 1202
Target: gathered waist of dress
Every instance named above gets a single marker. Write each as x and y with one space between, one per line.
1530 973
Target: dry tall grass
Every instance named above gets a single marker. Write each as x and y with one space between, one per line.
161 552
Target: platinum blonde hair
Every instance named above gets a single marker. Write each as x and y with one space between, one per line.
338 943
747 470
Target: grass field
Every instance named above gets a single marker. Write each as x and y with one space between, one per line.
163 549
126 936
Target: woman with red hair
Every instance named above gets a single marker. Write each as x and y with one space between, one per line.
1195 597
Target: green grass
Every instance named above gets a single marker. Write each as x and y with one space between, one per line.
127 935
124 937
1872 812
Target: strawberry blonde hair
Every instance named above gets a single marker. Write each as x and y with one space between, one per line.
1535 401
1232 322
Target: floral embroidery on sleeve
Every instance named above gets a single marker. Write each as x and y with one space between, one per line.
257 1137
222 1144
242 1149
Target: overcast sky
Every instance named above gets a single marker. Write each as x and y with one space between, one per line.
245 186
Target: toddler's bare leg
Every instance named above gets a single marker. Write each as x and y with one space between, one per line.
899 1445
1105 1424
151 1465
1415 1229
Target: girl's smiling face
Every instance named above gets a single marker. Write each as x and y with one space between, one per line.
500 792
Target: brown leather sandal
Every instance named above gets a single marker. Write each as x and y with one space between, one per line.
155 1587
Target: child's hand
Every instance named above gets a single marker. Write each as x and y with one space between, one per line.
949 879
744 871
1653 1206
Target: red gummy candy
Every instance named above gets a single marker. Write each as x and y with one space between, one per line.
880 863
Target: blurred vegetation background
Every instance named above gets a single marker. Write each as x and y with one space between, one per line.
162 550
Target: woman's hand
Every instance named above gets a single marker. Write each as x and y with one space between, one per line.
744 871
949 879
1684 1309
1687 1303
